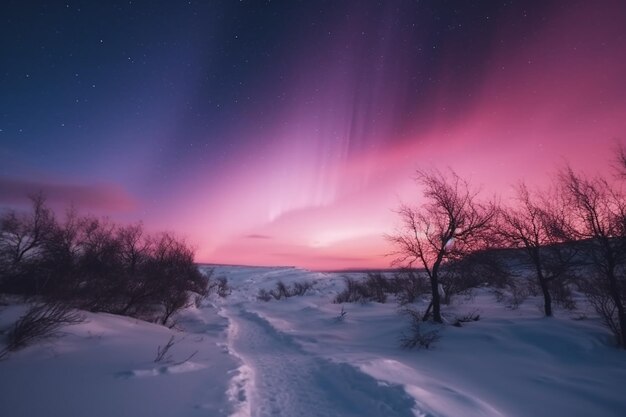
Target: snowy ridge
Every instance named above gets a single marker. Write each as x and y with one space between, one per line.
293 357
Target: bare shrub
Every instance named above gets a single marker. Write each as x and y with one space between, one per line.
223 289
173 274
163 355
342 315
40 321
96 265
408 286
538 224
172 303
416 337
283 291
563 295
458 278
597 213
300 288
351 294
518 293
466 318
264 295
21 239
594 287
204 291
461 276
280 291
163 351
374 287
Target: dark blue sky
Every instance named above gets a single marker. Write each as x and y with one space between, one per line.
169 110
85 83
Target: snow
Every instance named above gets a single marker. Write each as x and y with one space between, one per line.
105 367
294 357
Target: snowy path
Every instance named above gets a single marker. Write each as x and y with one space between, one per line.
284 380
292 357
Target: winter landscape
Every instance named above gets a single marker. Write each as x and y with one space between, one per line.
300 357
329 208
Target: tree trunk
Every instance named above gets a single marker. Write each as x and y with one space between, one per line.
434 286
533 251
427 313
434 283
547 298
615 291
622 325
166 316
621 315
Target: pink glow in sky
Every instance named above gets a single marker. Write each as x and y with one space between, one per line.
309 172
559 96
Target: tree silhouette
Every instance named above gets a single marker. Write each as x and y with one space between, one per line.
449 225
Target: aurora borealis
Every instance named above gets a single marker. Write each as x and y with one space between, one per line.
285 132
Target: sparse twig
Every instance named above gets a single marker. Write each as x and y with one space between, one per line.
415 337
162 351
188 358
342 315
40 321
163 355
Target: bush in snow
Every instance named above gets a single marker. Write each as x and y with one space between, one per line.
300 288
40 321
342 315
264 295
599 296
514 294
163 353
416 336
22 236
538 225
461 276
597 217
408 286
466 318
93 264
283 291
352 293
223 289
373 288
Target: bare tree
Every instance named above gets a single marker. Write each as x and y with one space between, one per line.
539 226
57 273
134 246
21 236
462 275
173 274
621 161
451 224
599 218
94 264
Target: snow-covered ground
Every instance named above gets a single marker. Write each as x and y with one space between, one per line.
293 357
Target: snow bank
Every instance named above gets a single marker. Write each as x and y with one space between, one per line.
294 357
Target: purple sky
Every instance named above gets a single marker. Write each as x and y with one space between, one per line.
286 132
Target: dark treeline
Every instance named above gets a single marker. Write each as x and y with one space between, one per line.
93 264
569 236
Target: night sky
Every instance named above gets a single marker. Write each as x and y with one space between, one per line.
285 132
